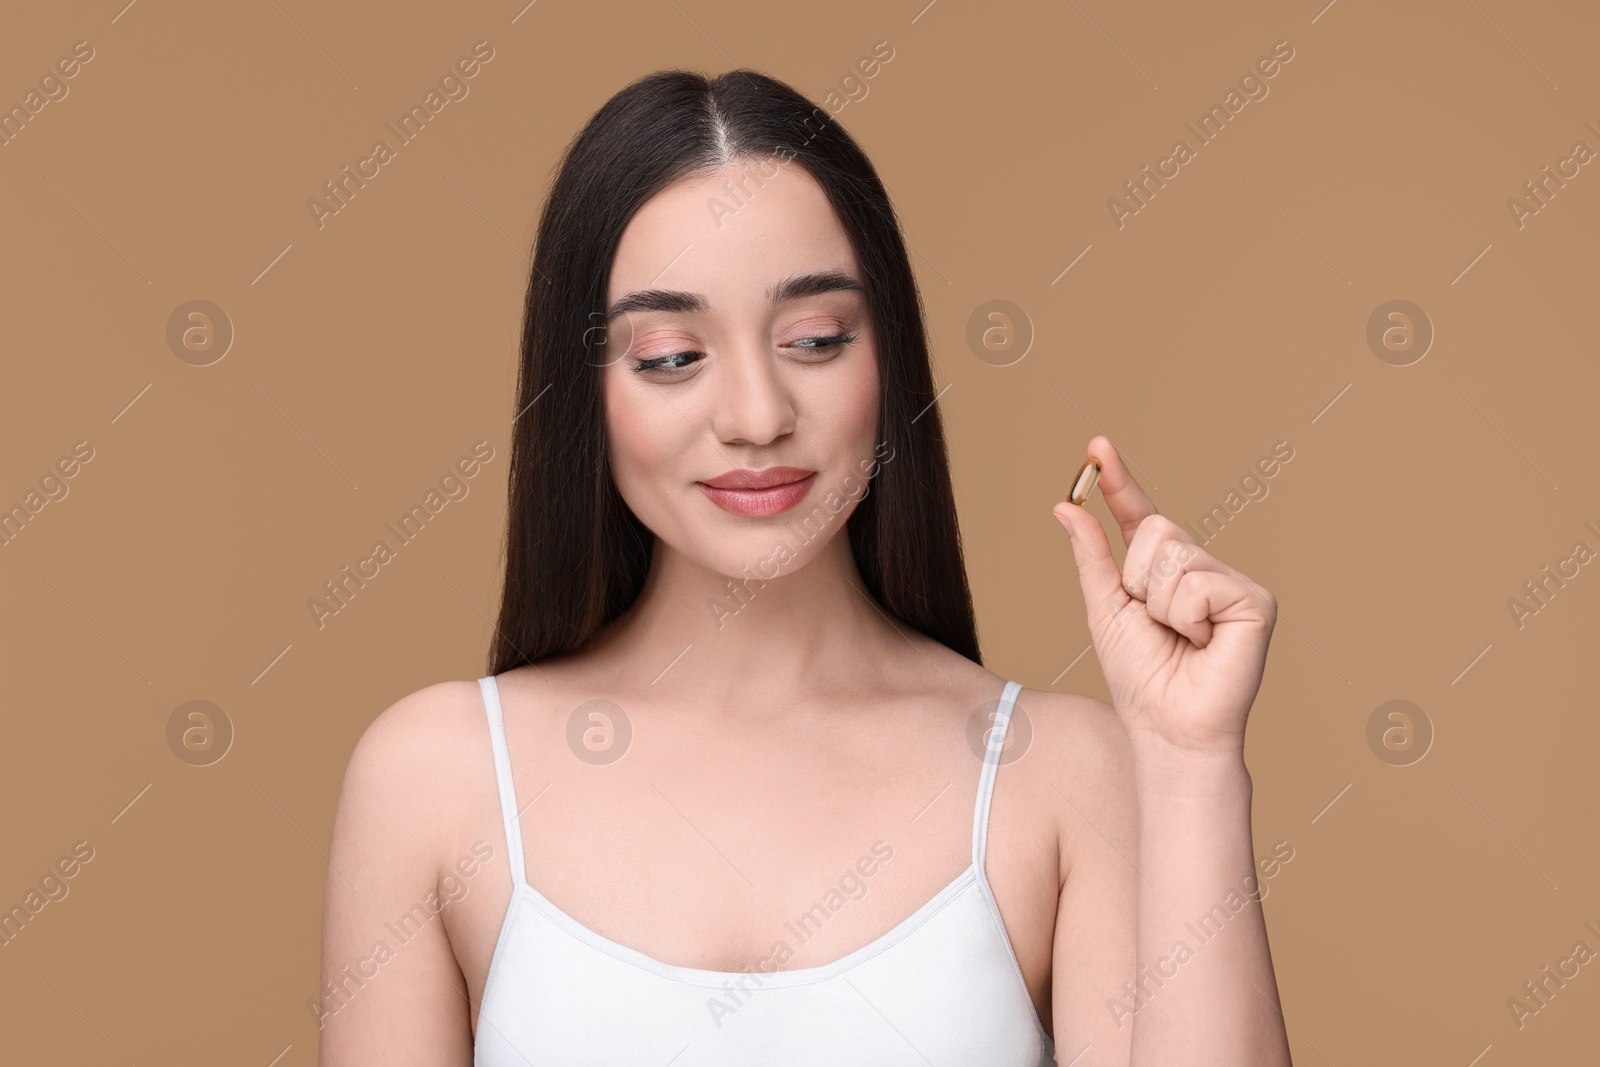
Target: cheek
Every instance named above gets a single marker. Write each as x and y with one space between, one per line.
628 435
645 444
855 406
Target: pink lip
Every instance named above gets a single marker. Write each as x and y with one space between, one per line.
756 494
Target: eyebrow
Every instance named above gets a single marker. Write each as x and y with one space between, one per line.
682 302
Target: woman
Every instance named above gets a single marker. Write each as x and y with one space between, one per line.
738 788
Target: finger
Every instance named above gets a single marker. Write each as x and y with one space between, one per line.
1183 604
1203 601
1174 560
1098 576
1158 546
1128 503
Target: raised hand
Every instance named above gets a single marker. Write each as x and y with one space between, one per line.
1181 636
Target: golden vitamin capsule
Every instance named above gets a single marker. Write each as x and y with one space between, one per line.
1084 483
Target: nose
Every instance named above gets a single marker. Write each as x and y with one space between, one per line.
753 404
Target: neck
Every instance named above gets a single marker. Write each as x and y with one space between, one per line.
695 633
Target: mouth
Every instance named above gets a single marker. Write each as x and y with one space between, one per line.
757 494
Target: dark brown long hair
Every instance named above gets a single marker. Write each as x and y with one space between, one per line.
576 555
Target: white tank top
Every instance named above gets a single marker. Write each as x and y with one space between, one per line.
942 987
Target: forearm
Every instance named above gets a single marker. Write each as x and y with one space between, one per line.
1205 991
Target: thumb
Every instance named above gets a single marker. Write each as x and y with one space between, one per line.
1101 580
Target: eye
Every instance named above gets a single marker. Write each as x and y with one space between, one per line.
668 367
645 366
825 344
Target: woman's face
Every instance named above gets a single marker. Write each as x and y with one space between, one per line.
738 339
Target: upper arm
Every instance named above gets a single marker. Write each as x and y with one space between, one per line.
385 1000
1096 919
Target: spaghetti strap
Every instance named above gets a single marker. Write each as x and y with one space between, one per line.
991 764
502 776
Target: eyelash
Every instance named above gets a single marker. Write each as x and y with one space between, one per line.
833 342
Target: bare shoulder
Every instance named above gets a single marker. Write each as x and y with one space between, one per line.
411 775
1080 765
424 729
1078 732
417 779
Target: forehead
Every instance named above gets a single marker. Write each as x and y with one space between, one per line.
730 233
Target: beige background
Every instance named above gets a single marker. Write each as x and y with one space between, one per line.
1228 315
